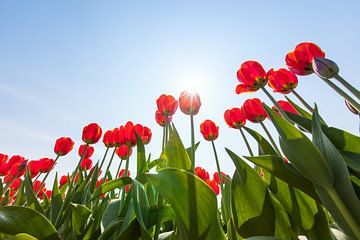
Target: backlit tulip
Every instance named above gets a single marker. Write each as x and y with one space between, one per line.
254 110
189 103
167 105
122 152
45 164
300 60
209 130
86 164
91 133
161 119
127 135
282 80
251 76
143 132
286 106
214 186
88 153
202 173
63 146
108 139
234 118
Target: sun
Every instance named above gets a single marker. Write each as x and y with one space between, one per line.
194 83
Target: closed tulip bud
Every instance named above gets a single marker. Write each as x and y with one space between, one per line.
45 164
189 103
209 130
167 105
254 110
108 139
88 153
34 168
282 80
91 133
63 180
325 68
234 118
351 108
63 146
86 164
122 152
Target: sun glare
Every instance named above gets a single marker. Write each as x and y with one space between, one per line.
194 84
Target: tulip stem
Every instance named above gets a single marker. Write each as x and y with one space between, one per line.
125 175
108 166
246 142
163 140
270 138
348 86
302 101
47 174
67 197
342 93
103 160
281 111
192 143
118 170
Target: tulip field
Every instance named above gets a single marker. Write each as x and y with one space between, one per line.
302 182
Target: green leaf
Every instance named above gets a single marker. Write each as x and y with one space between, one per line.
22 236
309 163
193 201
20 197
141 157
263 143
56 200
111 185
188 150
15 220
175 154
255 211
79 217
141 203
31 199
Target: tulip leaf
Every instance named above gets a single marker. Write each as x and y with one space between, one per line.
255 211
188 150
31 199
140 203
56 200
79 217
263 143
194 203
111 185
22 236
142 166
20 198
15 220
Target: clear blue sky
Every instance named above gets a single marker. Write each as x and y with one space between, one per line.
64 64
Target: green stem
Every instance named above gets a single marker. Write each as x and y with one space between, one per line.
281 111
103 160
124 187
270 138
246 142
192 143
163 140
108 166
348 86
118 170
158 222
302 101
67 197
342 93
37 177
47 174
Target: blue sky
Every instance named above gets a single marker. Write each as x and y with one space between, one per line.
65 64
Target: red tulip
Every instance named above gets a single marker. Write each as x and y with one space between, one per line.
89 151
300 60
161 119
251 76
122 152
3 158
189 103
282 80
63 180
116 136
122 173
214 186
143 132
63 146
254 110
86 164
108 139
167 105
18 169
127 135
209 130
15 184
4 168
286 106
217 179
45 164
37 186
34 168
16 159
235 118
91 133
48 194
202 173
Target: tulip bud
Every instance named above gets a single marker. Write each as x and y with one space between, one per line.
351 107
325 68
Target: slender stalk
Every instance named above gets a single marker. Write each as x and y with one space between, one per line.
281 111
163 139
47 174
118 170
108 166
302 101
124 187
348 86
246 142
343 94
270 138
67 197
192 143
103 160
37 177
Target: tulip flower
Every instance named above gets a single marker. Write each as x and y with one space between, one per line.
167 105
251 76
122 173
202 173
286 106
300 60
34 168
282 80
15 184
189 103
4 168
86 164
108 139
63 146
254 110
217 179
235 118
127 134
91 133
161 119
3 158
122 152
64 179
214 186
143 132
45 164
15 159
88 152
209 130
